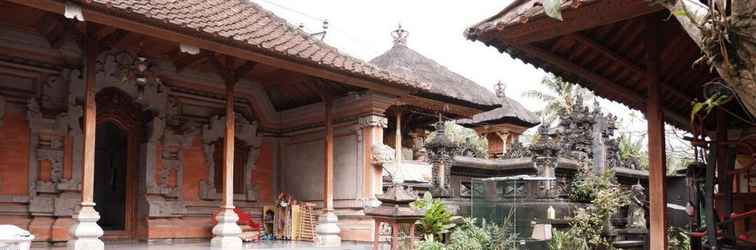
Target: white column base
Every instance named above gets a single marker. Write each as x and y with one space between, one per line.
226 232
328 231
85 233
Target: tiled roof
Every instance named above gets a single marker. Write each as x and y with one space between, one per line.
246 23
511 112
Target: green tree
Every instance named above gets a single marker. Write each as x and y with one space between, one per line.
559 96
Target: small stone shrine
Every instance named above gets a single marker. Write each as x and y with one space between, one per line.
395 210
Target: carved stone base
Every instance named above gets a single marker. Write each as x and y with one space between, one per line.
85 233
226 232
328 231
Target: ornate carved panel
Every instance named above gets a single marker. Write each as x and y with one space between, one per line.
246 132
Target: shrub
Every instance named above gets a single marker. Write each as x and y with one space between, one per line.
437 221
471 236
588 225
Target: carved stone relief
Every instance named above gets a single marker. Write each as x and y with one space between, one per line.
246 132
47 137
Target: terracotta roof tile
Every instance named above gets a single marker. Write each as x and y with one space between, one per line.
257 28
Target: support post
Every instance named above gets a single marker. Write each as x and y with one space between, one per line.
226 232
724 168
398 139
656 144
85 233
328 230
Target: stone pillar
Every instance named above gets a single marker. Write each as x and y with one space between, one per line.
372 127
328 229
504 136
85 233
441 151
398 176
226 232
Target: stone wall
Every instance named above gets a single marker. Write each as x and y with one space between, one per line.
302 167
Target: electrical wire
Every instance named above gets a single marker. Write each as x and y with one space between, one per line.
359 43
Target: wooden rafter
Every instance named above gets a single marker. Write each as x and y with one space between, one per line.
601 12
624 62
227 69
52 28
184 61
111 39
598 82
319 87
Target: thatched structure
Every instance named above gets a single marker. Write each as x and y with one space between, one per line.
445 84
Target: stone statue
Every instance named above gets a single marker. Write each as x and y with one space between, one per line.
382 154
638 208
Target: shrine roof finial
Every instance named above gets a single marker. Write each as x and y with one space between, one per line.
500 89
400 36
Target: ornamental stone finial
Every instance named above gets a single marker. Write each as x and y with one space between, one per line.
400 36
500 89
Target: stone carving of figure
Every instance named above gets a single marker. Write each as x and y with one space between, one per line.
382 154
32 109
638 208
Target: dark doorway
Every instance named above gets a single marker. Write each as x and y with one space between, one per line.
111 156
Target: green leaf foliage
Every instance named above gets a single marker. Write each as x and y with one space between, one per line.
588 225
437 220
703 109
470 234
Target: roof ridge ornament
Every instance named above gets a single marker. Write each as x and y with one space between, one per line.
500 89
400 36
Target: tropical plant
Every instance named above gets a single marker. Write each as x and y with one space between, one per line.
430 244
632 149
678 239
567 241
466 138
470 234
560 96
589 224
437 220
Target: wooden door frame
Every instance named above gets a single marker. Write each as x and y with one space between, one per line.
128 118
132 188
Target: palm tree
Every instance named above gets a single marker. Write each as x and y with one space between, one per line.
560 96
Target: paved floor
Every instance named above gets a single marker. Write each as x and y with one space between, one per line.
267 245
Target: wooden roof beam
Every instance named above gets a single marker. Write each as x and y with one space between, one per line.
601 12
186 61
625 63
228 71
52 28
631 97
111 39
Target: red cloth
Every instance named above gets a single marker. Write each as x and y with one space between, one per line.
246 219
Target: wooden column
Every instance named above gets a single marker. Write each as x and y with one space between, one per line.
85 233
656 143
90 117
328 162
226 231
398 138
228 148
724 168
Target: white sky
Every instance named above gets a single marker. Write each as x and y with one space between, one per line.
362 29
